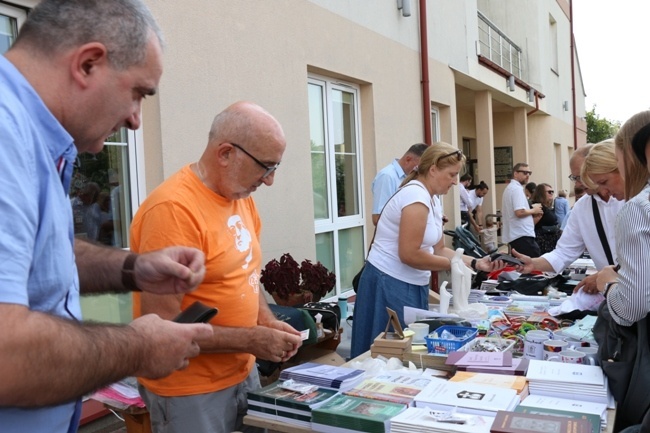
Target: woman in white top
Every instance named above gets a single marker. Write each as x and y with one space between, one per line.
408 245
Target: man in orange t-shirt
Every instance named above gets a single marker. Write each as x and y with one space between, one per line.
207 205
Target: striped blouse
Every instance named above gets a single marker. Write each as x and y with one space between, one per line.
629 300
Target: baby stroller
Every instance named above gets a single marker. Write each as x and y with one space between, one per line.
463 238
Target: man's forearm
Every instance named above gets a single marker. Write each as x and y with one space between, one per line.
47 360
99 267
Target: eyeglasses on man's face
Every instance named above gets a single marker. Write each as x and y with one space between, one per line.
268 170
573 178
526 172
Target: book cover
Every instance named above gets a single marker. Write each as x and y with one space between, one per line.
500 380
328 376
565 373
519 422
467 397
594 420
545 402
390 387
356 413
479 359
416 419
276 395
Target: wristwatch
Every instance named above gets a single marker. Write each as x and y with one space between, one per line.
473 265
608 285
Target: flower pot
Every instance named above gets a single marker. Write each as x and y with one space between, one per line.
293 299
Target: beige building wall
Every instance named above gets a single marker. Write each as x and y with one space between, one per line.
219 52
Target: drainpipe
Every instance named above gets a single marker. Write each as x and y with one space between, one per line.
424 64
573 76
536 109
426 96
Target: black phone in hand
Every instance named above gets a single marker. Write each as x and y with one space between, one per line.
506 258
196 313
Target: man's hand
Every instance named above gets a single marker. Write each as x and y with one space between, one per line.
607 274
537 209
528 265
273 343
588 284
168 345
171 270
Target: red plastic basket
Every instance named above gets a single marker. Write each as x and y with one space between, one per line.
439 346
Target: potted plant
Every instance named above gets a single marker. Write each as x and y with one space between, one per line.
292 284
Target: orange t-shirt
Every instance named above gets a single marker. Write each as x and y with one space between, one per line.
183 211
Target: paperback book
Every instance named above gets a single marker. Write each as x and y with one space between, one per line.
354 413
519 422
518 383
326 376
418 420
467 398
391 386
594 420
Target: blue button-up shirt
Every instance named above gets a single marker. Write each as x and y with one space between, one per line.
36 235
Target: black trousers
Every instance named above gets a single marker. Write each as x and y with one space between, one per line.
526 245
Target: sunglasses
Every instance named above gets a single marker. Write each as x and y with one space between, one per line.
268 169
526 172
458 153
573 178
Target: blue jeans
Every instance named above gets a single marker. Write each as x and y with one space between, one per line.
377 291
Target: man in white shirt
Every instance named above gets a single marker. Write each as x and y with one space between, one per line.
466 205
580 233
517 215
389 178
476 198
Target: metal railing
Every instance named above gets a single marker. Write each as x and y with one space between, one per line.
497 47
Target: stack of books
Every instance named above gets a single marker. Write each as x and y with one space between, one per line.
390 345
467 398
520 422
571 381
593 419
324 376
417 420
278 404
346 413
396 387
518 368
542 402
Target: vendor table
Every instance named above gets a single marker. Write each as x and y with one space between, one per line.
280 426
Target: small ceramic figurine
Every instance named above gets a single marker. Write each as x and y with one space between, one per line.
461 281
445 297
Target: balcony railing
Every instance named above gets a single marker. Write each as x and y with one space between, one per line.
497 47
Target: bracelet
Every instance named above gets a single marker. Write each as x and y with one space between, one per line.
473 265
128 273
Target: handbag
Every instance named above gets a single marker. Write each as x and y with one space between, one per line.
550 229
355 280
624 353
330 312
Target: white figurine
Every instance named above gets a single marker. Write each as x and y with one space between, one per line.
445 297
461 281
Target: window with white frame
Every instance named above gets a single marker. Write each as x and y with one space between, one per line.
435 124
336 178
103 192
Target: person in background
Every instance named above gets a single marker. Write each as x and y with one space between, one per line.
389 178
529 190
581 232
561 205
578 192
547 229
489 235
476 198
208 205
408 246
77 72
466 204
517 213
